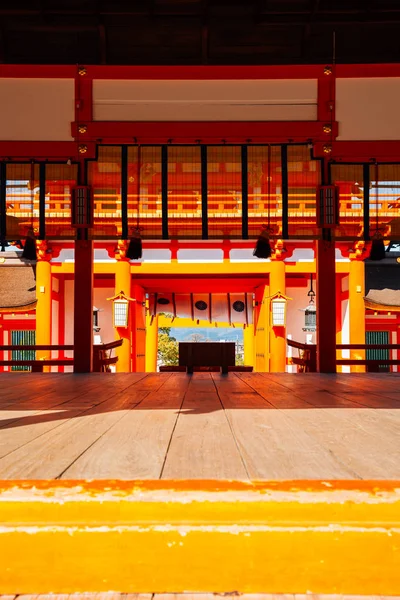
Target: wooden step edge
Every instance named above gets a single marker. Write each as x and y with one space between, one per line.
200 536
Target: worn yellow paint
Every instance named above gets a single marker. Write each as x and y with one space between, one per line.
357 311
43 309
151 342
123 284
275 537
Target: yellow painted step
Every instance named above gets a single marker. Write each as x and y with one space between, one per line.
200 536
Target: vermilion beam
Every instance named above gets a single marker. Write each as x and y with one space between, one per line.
205 131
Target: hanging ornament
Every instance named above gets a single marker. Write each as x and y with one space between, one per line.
134 251
29 252
263 247
378 247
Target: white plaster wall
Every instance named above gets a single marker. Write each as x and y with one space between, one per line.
36 109
205 100
100 296
345 332
54 329
295 316
69 317
105 315
368 108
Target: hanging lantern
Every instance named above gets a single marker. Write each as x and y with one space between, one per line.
310 313
310 317
121 309
278 310
82 207
327 206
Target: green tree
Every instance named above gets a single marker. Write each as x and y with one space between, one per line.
168 352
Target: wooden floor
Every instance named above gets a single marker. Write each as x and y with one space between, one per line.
207 426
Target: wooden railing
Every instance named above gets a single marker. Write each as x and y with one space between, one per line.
372 365
107 206
102 358
307 359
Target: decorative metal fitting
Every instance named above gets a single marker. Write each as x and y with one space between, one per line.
328 70
327 128
82 128
327 149
82 71
82 149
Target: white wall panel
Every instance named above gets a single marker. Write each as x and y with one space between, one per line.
368 108
36 109
206 100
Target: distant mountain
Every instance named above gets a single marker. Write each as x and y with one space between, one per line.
212 334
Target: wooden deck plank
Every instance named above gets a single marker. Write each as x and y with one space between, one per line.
272 446
30 430
277 395
356 438
173 425
203 446
136 446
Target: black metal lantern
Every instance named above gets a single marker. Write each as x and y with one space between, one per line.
310 313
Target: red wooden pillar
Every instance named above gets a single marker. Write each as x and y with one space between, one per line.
83 307
326 307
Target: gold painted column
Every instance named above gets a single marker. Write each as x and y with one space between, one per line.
43 306
356 305
151 343
249 345
123 284
277 335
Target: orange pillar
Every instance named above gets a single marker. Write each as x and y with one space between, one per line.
83 307
151 343
43 306
277 338
339 320
138 329
261 326
123 284
326 307
357 309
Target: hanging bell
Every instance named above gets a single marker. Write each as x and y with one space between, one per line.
263 247
29 252
378 247
134 251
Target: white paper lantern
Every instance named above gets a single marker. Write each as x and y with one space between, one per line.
278 306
